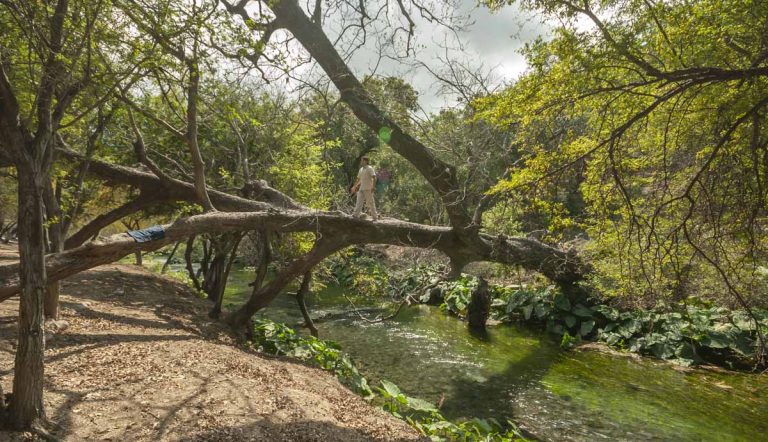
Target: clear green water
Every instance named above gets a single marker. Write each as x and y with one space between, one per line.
518 374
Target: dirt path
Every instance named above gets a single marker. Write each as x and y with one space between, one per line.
141 361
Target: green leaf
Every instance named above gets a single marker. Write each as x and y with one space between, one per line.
570 321
612 339
743 345
662 350
542 310
610 313
685 351
586 327
716 340
562 302
527 310
483 425
518 299
391 389
583 312
420 404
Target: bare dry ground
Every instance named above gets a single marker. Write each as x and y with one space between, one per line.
140 361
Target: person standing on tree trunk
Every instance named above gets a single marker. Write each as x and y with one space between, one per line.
364 186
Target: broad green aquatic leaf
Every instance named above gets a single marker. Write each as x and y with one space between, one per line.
570 321
662 350
391 389
716 340
496 303
612 339
742 345
527 310
610 313
586 327
562 302
743 321
542 310
685 351
420 404
582 311
518 299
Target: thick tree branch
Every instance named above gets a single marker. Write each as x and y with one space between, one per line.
94 227
561 266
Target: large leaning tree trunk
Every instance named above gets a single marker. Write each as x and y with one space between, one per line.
561 266
439 174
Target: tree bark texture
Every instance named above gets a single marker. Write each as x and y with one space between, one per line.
301 297
56 235
558 265
216 311
189 265
27 406
170 257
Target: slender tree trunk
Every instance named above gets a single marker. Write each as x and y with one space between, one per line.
191 136
51 304
56 235
301 299
27 405
213 278
265 256
170 257
264 295
94 227
205 261
188 260
216 311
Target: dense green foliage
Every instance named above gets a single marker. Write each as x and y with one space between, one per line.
691 332
641 126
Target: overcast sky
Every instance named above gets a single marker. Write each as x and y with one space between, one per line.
492 40
488 41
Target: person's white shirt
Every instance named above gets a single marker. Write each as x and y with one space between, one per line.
367 177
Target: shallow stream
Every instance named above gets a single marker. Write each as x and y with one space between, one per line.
515 373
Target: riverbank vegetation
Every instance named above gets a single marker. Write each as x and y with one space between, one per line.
620 178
